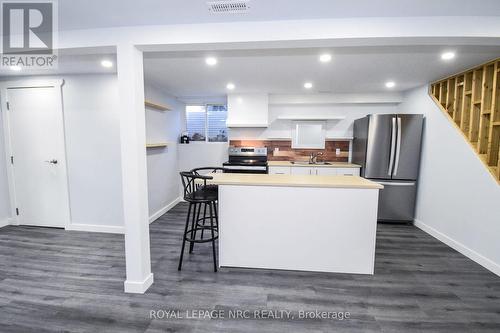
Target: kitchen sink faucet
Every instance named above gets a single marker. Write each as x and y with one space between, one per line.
313 158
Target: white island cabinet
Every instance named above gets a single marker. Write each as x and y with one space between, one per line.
290 222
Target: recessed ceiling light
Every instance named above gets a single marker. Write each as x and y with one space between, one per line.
308 85
390 84
211 61
15 68
230 86
107 63
448 55
325 57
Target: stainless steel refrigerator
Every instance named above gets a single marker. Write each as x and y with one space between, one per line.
387 146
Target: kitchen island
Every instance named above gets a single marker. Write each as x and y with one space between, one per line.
297 222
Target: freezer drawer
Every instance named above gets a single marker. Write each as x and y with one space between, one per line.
397 201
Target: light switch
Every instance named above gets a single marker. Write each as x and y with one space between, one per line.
337 152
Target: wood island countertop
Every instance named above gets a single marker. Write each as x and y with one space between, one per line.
330 165
293 181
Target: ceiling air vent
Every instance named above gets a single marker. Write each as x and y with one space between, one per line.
229 7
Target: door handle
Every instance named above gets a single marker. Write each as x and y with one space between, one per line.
393 143
395 183
52 161
398 147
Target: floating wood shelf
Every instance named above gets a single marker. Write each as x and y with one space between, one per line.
157 145
471 100
155 106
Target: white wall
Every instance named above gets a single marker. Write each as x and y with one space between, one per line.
91 119
4 186
163 168
93 150
458 200
201 154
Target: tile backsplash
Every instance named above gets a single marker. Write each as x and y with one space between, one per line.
281 150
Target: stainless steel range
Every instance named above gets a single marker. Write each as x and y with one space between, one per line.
246 160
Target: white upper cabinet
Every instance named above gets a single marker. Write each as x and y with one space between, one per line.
308 135
248 110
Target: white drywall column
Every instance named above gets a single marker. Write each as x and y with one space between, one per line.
134 168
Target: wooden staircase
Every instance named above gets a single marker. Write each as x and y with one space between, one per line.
471 100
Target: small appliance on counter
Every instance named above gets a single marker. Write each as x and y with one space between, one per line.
185 137
387 146
246 160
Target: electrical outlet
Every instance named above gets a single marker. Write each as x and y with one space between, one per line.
337 152
276 149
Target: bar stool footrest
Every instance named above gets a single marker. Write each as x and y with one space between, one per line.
199 228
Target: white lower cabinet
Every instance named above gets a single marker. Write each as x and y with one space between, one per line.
278 170
348 171
324 171
303 171
319 171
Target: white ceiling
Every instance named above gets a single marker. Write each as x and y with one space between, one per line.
284 71
88 14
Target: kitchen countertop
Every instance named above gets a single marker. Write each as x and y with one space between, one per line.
293 181
331 165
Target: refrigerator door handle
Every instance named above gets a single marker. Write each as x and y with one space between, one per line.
393 143
395 184
398 148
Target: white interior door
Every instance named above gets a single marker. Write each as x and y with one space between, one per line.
39 161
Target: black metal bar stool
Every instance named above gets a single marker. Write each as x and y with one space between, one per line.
197 193
210 187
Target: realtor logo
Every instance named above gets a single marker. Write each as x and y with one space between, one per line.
28 33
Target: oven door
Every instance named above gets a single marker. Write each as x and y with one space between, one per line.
231 168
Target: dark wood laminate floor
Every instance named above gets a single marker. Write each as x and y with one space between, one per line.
60 281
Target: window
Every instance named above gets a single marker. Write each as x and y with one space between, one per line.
196 122
207 122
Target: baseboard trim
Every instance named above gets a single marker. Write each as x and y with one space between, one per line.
138 287
4 223
96 228
163 210
469 253
8 221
